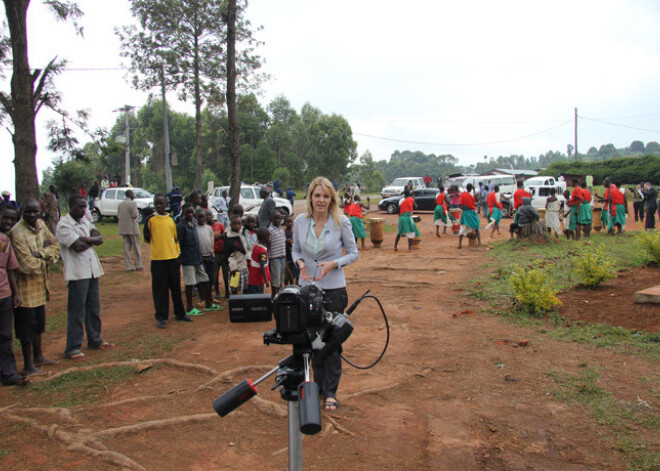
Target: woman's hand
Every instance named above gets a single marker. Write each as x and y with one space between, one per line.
325 268
303 273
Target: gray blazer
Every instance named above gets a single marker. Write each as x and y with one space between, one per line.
337 239
127 214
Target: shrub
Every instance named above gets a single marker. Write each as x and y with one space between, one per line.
594 267
533 293
650 242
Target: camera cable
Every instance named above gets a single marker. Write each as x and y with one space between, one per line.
387 330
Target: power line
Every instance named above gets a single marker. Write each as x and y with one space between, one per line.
618 125
439 144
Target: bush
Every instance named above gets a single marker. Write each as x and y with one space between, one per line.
533 293
594 267
650 242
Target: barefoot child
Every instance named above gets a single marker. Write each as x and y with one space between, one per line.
407 226
441 217
355 215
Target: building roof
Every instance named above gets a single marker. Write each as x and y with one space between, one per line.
508 171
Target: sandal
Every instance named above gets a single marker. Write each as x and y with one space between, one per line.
194 312
77 356
331 404
106 346
213 307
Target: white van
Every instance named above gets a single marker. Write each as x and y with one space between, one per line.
397 185
507 183
539 188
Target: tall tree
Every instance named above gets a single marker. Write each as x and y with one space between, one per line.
186 40
30 89
234 151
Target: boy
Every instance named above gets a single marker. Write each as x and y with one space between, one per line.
277 253
250 234
292 270
160 232
218 245
259 273
235 250
205 233
191 262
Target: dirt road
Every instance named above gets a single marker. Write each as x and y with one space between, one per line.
459 389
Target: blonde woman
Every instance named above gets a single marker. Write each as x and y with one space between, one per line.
319 237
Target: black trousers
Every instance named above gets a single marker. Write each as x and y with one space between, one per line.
166 279
327 372
638 208
650 218
7 359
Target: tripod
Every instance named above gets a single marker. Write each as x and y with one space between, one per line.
301 394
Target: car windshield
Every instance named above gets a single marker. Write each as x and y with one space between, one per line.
400 182
140 193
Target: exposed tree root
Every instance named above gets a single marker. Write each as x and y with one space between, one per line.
230 373
87 446
337 427
373 390
161 361
152 424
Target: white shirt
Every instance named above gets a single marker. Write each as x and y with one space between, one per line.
77 265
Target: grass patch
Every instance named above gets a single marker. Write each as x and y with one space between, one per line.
143 346
76 388
113 244
623 418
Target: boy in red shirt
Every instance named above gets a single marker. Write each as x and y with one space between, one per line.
259 274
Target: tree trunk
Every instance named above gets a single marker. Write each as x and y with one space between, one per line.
198 120
22 95
234 150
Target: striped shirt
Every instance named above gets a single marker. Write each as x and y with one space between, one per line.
32 273
277 248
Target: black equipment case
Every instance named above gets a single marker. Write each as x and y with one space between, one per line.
250 308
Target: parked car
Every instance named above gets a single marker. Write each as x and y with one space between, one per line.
397 185
250 199
106 205
424 197
539 188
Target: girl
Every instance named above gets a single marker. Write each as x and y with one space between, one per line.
494 202
441 217
355 214
407 226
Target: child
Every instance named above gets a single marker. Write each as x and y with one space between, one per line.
191 262
250 234
234 252
160 232
355 215
277 253
218 245
205 234
292 270
259 273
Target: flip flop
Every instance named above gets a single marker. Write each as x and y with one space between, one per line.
331 404
194 312
213 307
77 356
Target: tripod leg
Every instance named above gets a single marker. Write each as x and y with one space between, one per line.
295 437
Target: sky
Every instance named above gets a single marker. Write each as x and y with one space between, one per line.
472 79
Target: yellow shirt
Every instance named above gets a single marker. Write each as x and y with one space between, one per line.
163 240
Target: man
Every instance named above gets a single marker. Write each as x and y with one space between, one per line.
175 198
290 195
35 248
6 199
51 209
82 269
9 300
650 204
428 180
92 194
638 203
589 180
267 208
160 231
127 227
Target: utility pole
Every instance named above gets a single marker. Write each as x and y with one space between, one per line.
576 124
166 135
127 161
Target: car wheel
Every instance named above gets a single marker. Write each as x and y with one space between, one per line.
391 208
140 218
96 215
506 211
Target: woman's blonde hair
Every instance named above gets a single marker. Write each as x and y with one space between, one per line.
327 185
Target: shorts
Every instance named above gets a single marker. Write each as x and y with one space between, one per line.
29 321
277 266
194 274
242 282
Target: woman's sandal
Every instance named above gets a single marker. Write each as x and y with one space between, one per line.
331 404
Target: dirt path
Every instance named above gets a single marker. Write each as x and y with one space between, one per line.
455 390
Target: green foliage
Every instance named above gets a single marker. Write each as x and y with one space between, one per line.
650 242
284 176
533 294
69 175
595 267
209 176
630 170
